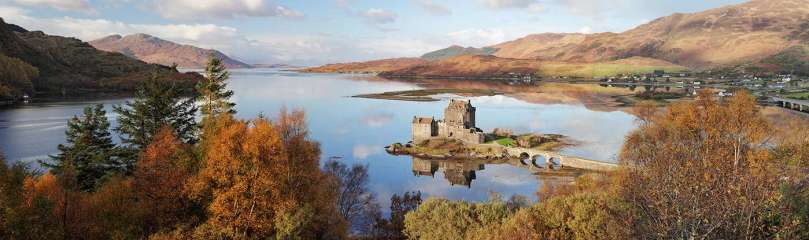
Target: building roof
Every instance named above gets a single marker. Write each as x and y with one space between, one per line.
423 120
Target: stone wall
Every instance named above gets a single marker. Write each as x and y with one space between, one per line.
424 129
421 132
458 132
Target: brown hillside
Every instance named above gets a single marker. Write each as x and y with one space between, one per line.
728 35
546 46
469 66
155 50
68 66
367 67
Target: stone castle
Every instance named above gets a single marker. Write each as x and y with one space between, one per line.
458 123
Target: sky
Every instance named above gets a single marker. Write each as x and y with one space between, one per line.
313 32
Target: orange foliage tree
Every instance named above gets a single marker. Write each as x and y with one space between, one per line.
263 180
159 180
700 170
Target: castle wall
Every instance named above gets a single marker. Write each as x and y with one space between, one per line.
459 132
423 131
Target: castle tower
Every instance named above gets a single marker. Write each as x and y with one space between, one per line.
460 113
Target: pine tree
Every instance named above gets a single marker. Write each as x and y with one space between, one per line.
89 150
157 104
212 90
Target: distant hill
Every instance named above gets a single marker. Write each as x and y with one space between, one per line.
756 36
456 50
274 65
155 50
68 66
375 66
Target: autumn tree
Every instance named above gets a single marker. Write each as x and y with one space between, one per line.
159 180
264 180
400 206
790 213
445 219
354 200
700 170
212 91
157 103
21 216
581 215
89 150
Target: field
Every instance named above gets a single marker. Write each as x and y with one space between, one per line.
607 69
798 95
507 141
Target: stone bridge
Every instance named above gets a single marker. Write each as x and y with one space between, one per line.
539 159
793 104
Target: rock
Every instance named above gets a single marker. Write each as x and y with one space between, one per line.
502 132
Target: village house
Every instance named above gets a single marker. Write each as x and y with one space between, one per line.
458 123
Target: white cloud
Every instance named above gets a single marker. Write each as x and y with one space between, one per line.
379 16
478 37
585 30
203 35
361 151
8 12
397 46
64 5
200 9
213 36
434 8
503 4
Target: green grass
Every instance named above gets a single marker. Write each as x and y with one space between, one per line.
507 142
799 96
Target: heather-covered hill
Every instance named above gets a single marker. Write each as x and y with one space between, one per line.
152 49
756 36
375 66
457 51
723 36
68 66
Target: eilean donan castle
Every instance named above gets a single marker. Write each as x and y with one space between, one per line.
458 123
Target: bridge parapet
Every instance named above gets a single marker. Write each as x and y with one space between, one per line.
564 160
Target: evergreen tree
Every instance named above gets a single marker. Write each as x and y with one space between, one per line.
212 90
89 150
157 104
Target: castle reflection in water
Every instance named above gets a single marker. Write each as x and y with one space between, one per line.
456 172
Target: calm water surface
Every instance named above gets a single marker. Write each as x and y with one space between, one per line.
355 130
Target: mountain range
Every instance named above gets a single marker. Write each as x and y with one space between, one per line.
69 67
772 35
152 49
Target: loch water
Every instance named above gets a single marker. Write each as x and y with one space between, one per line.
355 130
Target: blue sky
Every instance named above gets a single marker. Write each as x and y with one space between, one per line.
311 32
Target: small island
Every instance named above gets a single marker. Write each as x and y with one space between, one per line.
457 137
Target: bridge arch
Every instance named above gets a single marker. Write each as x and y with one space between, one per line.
538 161
555 162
